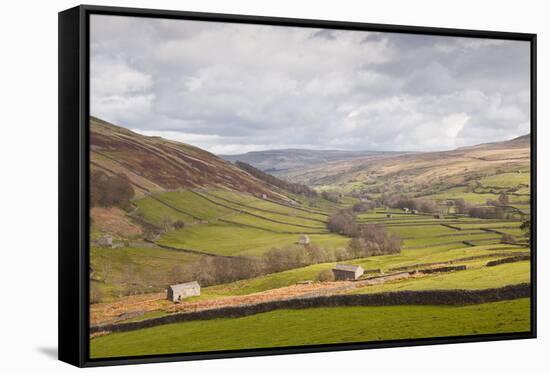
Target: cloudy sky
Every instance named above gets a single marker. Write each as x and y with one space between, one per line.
233 88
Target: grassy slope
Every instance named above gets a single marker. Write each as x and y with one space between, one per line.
506 180
225 239
318 326
254 202
154 212
478 278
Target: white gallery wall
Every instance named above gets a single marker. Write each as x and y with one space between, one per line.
28 185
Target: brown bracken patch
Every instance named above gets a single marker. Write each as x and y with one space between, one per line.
114 220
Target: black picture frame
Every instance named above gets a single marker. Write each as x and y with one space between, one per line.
74 186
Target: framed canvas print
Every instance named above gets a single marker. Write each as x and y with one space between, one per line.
239 185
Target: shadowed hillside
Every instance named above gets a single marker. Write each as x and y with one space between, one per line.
154 164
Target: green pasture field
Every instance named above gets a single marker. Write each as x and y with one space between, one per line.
517 232
321 204
227 239
414 242
461 192
254 221
190 202
291 216
318 326
253 202
506 180
471 279
155 212
421 231
487 224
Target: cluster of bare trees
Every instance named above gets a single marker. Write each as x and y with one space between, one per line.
343 222
374 240
168 224
494 211
367 239
330 196
503 200
325 275
110 190
420 204
364 206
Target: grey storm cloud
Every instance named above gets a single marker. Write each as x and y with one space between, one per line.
232 88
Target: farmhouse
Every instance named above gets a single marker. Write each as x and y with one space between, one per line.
347 272
105 241
304 240
176 293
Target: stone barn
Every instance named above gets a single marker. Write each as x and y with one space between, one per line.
389 216
347 272
304 240
438 216
105 241
176 293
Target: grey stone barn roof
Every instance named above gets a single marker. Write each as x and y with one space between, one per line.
185 285
347 267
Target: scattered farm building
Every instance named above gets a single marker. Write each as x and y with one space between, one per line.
264 196
105 241
347 272
414 211
389 216
304 240
176 293
406 209
438 216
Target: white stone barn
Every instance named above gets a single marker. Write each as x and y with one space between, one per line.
105 241
347 272
178 292
304 240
